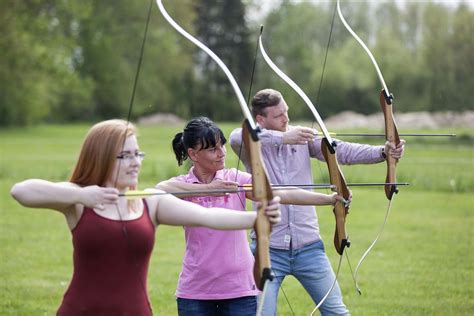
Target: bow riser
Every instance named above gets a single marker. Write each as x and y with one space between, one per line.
262 192
392 136
340 210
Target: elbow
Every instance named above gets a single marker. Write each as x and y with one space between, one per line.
18 192
164 186
235 139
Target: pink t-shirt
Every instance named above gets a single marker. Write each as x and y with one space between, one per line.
217 264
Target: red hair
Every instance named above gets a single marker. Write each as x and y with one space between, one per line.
98 153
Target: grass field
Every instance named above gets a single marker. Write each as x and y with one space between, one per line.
422 265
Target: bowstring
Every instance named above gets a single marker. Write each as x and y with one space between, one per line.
322 79
130 107
359 264
243 203
354 277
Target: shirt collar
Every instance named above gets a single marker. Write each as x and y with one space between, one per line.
191 177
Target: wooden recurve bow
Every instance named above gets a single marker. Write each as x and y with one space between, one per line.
391 135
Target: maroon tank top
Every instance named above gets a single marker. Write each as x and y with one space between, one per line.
110 266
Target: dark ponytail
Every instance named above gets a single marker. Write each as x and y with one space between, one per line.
199 131
178 148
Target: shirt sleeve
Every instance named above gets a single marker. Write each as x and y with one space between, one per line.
235 140
349 153
268 138
180 178
242 176
271 138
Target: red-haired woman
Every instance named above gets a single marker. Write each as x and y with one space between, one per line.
113 237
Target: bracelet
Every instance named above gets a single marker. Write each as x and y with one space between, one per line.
384 155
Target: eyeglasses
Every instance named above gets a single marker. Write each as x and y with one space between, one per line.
140 155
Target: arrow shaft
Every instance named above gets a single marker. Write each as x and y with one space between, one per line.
383 135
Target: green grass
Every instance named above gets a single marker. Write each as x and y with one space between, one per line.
422 265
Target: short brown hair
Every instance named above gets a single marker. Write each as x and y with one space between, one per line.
99 150
263 99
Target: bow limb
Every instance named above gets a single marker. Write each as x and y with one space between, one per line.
298 90
261 187
210 53
328 147
386 102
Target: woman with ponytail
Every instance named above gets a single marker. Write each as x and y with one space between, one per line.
216 276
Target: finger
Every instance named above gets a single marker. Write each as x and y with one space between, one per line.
273 213
308 130
230 182
275 200
112 199
271 209
274 220
390 145
111 191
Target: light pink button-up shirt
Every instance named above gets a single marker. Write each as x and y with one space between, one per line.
291 164
217 264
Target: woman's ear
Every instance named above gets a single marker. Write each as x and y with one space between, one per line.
192 154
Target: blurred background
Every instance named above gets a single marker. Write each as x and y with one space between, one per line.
65 64
75 60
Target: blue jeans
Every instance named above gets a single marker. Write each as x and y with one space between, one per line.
311 267
241 306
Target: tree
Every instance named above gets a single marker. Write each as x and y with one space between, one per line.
221 26
36 73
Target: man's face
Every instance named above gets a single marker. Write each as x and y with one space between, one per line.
275 118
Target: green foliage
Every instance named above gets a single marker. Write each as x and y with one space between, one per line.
221 26
424 253
423 50
38 45
75 60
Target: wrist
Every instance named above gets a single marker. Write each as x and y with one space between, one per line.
383 154
79 195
